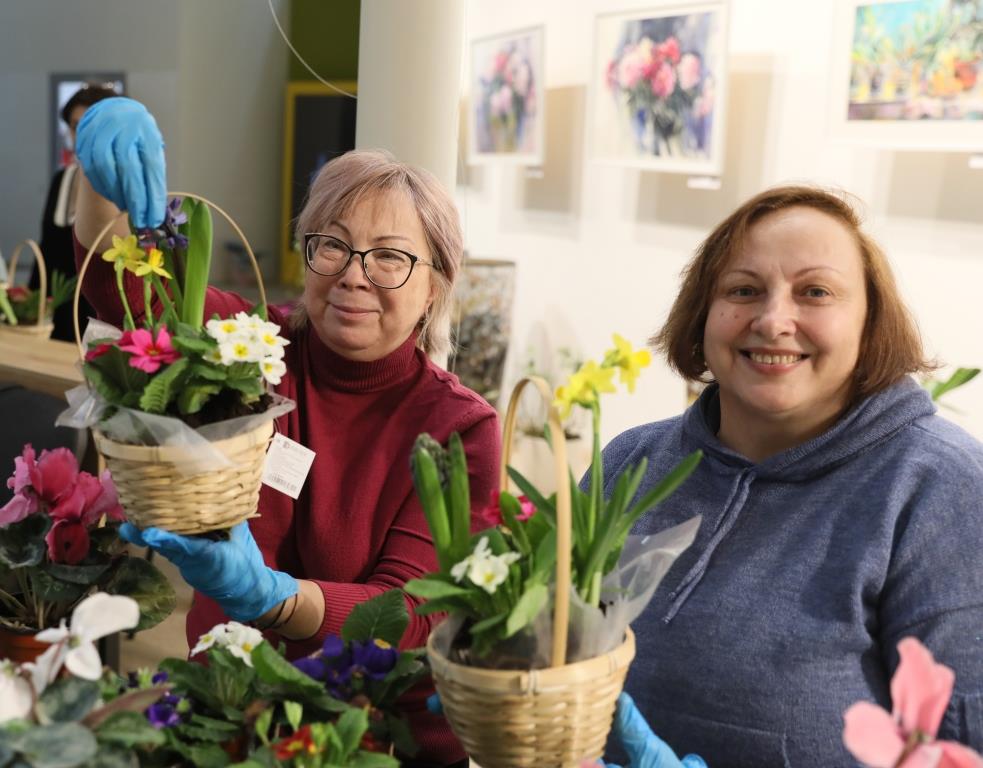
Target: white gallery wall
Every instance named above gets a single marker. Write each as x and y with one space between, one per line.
599 248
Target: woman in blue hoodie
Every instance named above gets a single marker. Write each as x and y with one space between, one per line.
840 514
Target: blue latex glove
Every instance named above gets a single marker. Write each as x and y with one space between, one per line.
121 153
230 572
644 748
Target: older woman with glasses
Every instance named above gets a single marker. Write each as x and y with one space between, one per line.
383 245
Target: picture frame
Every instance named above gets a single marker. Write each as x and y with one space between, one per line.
62 86
658 88
319 125
929 100
507 98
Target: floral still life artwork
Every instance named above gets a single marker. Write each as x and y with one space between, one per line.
507 97
248 707
905 737
658 85
917 60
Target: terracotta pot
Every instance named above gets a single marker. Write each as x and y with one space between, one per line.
20 646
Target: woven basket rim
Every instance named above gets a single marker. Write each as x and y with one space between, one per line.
173 454
518 681
42 329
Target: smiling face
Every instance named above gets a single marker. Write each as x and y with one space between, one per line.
353 317
782 335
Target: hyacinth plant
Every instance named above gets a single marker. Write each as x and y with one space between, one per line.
19 305
59 543
176 363
498 579
249 707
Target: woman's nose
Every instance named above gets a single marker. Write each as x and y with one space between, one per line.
353 275
777 317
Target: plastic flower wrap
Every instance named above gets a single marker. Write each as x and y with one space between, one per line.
497 583
58 543
177 378
248 704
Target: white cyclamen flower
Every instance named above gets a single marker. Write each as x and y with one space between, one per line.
272 369
237 638
16 692
74 646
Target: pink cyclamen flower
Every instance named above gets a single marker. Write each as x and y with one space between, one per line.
689 71
68 541
21 506
905 738
54 474
23 465
149 354
664 81
105 503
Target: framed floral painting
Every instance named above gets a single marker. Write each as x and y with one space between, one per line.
908 74
506 121
658 88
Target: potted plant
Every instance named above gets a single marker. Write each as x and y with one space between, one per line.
178 402
59 544
523 685
28 312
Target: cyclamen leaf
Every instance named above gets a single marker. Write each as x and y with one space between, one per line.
54 590
22 544
61 745
139 579
163 387
69 699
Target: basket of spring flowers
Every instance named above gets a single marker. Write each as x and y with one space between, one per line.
26 313
178 403
536 646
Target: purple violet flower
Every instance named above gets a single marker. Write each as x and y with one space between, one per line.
312 666
165 712
374 658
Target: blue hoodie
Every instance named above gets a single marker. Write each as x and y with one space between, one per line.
806 572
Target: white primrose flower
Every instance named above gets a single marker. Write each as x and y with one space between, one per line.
236 638
16 692
273 369
213 355
74 647
221 330
249 322
240 348
483 568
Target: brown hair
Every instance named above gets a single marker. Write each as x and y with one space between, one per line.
346 180
890 346
86 96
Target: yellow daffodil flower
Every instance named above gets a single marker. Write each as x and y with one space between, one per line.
125 251
629 361
154 262
583 387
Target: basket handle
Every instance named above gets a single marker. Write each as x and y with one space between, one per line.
42 272
109 225
561 608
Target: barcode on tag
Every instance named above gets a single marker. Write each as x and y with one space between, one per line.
287 465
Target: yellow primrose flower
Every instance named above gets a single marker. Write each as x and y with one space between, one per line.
583 387
154 262
628 360
125 251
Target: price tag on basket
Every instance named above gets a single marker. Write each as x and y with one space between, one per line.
287 465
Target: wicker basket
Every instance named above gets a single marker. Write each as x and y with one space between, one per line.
44 326
154 485
544 718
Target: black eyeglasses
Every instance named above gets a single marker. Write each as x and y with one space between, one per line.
385 267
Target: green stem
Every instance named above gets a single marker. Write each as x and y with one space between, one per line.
164 298
148 316
12 601
128 323
597 473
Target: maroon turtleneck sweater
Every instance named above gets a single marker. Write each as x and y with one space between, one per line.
357 528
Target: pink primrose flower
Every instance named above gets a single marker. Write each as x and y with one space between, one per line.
98 351
54 474
664 81
150 353
689 71
920 691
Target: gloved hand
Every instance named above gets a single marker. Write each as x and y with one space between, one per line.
644 748
121 153
230 572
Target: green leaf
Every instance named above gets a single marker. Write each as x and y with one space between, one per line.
272 668
262 725
197 265
219 725
133 701
545 558
209 372
363 759
140 579
77 574
294 712
664 489
54 590
193 397
511 509
69 699
128 729
431 495
429 588
527 609
164 387
113 756
448 604
960 377
62 745
192 678
102 383
485 624
384 617
458 499
208 756
400 735
350 728
193 344
531 492
22 544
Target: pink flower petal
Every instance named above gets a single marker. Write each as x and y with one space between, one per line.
107 502
920 688
68 542
56 473
871 735
23 465
924 756
19 507
955 755
69 507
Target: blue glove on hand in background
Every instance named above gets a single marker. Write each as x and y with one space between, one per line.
643 747
121 153
231 572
